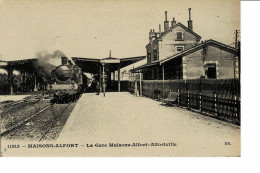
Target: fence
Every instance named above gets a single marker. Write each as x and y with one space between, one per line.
218 98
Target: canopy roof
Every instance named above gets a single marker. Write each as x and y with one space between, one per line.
91 65
20 65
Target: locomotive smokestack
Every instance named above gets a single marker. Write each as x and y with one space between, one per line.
64 60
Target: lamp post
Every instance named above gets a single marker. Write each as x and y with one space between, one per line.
104 85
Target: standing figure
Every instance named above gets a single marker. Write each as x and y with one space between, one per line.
97 87
93 85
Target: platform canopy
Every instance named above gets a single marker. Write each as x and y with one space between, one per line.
91 65
19 65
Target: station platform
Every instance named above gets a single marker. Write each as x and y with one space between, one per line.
4 98
121 118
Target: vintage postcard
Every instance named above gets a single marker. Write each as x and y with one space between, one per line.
120 78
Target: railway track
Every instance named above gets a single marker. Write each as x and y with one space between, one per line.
53 122
12 104
44 124
10 129
18 105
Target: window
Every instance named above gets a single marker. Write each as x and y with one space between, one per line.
155 55
179 36
148 57
179 49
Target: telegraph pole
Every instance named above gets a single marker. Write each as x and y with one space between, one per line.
104 85
239 60
236 38
237 46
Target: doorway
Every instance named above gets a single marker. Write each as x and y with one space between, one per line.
211 71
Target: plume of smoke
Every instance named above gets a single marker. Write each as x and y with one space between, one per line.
46 62
54 58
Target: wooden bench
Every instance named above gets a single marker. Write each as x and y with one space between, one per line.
172 97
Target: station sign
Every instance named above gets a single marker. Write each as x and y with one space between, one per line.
137 77
110 61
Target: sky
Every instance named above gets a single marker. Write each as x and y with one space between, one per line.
90 28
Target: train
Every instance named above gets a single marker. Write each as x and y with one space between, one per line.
68 82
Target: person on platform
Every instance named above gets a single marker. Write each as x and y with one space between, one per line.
93 85
97 86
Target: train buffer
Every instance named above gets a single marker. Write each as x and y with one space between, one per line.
171 98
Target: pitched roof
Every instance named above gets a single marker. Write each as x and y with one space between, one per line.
200 46
144 66
170 30
191 50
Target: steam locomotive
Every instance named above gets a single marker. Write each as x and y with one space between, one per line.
68 82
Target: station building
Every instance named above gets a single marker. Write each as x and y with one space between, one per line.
178 53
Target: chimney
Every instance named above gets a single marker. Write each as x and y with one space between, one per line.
166 23
64 60
190 21
173 22
152 35
160 29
